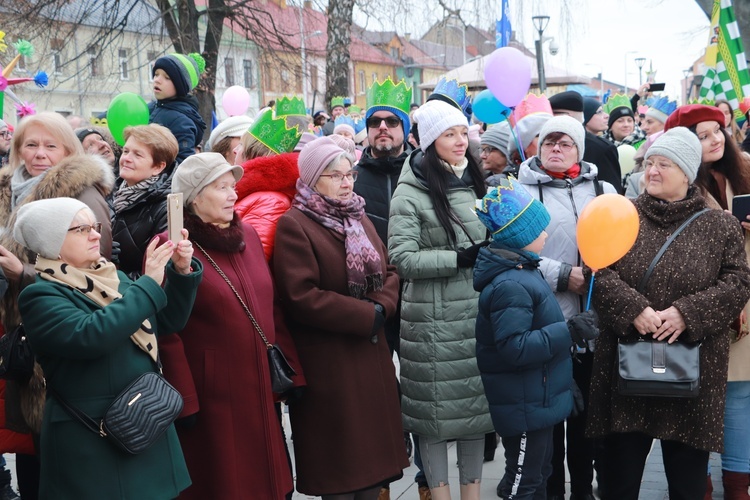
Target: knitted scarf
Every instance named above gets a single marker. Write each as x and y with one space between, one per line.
99 284
571 173
127 196
636 136
363 266
21 186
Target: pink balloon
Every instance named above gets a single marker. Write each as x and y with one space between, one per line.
508 75
235 100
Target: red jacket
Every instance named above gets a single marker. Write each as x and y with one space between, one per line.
265 193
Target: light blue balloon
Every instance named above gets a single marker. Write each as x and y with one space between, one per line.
488 109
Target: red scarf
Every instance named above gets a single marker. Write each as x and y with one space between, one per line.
571 173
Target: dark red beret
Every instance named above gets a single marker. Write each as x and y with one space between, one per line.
693 114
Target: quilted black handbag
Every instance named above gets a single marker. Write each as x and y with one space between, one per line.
137 417
16 357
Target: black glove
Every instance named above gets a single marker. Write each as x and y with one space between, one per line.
466 257
379 318
115 253
578 402
584 326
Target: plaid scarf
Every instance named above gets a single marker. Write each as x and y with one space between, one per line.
633 138
127 196
363 266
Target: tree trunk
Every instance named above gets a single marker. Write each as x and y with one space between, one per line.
340 14
741 12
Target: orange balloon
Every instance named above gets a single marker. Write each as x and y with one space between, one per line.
607 229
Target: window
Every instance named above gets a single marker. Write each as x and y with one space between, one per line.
247 68
57 62
298 80
374 77
394 52
285 76
229 71
152 57
362 83
123 56
94 69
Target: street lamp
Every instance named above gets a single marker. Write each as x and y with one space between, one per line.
640 61
540 23
686 73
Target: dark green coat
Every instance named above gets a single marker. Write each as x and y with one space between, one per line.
88 357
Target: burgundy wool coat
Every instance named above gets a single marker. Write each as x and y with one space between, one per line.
347 425
235 449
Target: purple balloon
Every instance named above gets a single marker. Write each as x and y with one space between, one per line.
488 109
508 75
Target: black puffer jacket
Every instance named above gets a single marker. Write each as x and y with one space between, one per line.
134 227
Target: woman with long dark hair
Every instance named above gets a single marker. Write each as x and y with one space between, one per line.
433 239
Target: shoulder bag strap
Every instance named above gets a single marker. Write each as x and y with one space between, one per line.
269 346
650 270
74 412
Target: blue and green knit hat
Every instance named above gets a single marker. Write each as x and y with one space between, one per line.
184 70
513 216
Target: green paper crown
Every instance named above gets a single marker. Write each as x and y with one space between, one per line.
337 101
390 94
355 109
616 101
293 106
704 101
274 134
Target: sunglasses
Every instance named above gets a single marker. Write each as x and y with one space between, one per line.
375 121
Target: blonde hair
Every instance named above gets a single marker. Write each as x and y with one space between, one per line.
158 139
253 148
55 124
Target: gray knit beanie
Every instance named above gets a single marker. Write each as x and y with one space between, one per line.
41 226
200 170
681 146
497 136
568 126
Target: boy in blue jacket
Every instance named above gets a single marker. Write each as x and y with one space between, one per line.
523 342
175 76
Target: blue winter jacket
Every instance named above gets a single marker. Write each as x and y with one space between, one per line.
180 115
523 343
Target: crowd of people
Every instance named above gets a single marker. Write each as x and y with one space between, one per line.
343 239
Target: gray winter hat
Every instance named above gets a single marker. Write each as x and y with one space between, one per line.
569 126
497 136
41 226
200 170
681 146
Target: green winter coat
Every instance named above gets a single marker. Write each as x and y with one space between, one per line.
88 357
442 392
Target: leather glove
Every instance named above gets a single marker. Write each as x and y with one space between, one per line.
115 253
466 257
379 318
583 327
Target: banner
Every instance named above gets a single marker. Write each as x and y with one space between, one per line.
502 27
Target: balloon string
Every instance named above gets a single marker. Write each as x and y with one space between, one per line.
515 137
591 289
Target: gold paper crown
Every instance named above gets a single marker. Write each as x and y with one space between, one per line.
390 94
274 134
290 106
616 101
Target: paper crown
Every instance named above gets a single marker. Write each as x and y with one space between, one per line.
745 105
290 106
616 101
337 101
531 104
389 94
344 120
512 215
664 105
274 134
453 91
354 109
704 101
642 110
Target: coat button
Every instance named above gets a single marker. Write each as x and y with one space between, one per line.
374 339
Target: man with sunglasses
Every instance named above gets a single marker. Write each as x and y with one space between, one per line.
5 138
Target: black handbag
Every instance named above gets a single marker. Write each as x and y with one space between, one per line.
653 368
16 357
281 370
137 417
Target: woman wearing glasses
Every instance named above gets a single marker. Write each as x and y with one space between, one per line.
565 184
337 288
94 331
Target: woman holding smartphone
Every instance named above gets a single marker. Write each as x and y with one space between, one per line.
723 174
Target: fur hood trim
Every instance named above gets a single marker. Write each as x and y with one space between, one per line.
270 173
73 175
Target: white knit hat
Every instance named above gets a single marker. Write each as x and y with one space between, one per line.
568 126
41 226
234 126
434 118
681 146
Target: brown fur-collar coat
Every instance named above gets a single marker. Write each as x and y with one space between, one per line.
705 275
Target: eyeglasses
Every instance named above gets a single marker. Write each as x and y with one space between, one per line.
338 177
487 150
563 145
662 165
86 228
6 135
390 121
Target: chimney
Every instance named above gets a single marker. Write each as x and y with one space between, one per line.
308 4
407 37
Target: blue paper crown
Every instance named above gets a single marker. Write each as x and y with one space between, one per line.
456 93
344 120
664 105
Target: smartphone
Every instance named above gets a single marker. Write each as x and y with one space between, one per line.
656 87
741 207
174 217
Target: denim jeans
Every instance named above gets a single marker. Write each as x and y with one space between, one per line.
736 456
434 452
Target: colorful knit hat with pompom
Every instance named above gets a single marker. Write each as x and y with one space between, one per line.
184 70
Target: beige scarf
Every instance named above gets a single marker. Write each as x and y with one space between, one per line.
99 284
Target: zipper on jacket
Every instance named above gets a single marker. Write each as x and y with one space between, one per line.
544 385
569 186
